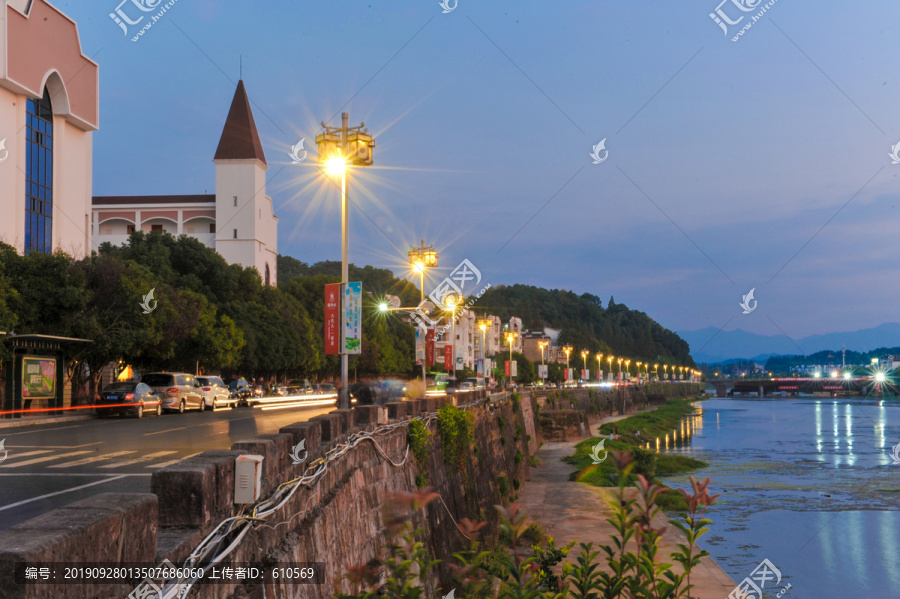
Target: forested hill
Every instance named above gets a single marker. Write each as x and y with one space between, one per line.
585 323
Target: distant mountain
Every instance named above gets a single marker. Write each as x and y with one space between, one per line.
711 345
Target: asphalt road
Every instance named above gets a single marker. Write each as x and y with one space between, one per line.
52 465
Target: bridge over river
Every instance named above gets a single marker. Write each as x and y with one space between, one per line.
864 385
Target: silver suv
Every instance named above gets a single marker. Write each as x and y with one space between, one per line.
215 393
179 391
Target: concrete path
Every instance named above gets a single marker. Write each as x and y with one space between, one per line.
570 511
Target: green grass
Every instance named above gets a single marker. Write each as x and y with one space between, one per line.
663 420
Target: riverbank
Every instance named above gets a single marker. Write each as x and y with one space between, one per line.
638 434
568 512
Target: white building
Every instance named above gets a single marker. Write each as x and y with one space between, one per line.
49 107
238 221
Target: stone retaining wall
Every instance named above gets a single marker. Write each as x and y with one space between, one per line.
337 521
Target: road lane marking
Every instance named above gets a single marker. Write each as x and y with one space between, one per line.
44 459
164 464
69 474
43 430
145 458
16 454
97 482
92 459
168 431
55 446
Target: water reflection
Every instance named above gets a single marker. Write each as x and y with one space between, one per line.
823 509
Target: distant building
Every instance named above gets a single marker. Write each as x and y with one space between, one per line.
49 109
238 221
531 346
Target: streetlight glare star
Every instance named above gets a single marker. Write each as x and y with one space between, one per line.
335 166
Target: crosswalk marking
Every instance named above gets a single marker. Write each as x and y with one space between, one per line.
17 455
44 459
164 464
95 458
145 458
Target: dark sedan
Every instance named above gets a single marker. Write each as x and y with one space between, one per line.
134 399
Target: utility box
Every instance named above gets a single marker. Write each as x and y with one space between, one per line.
247 478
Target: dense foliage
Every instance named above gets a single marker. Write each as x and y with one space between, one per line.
631 564
585 324
206 313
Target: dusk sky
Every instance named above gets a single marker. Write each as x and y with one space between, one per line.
725 159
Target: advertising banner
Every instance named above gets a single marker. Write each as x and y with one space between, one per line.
352 307
38 377
332 318
506 368
448 358
429 347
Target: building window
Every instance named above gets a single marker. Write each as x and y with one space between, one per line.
212 227
129 229
156 228
235 234
267 274
39 176
235 201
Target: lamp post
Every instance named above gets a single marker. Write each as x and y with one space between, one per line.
639 370
483 325
665 372
421 258
510 337
656 371
542 345
568 350
340 148
599 364
584 354
451 301
628 367
610 360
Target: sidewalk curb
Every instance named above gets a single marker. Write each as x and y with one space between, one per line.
22 422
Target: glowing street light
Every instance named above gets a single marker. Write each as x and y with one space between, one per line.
421 258
340 148
510 337
568 350
584 354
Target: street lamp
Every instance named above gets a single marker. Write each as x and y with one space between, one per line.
628 367
584 354
542 345
421 258
599 364
610 360
656 371
451 302
509 339
639 369
340 148
483 325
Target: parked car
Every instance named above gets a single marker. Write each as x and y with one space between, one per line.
240 390
179 390
326 389
279 391
141 399
214 392
368 394
300 387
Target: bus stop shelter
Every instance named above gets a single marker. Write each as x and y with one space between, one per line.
35 374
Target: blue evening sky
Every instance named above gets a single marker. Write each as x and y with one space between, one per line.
725 159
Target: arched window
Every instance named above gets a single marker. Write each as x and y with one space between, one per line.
267 274
39 176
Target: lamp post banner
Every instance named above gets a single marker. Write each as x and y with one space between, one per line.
352 318
332 318
429 347
420 345
448 358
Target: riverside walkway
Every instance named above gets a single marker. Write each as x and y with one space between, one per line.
571 511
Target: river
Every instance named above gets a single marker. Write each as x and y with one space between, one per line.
807 483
